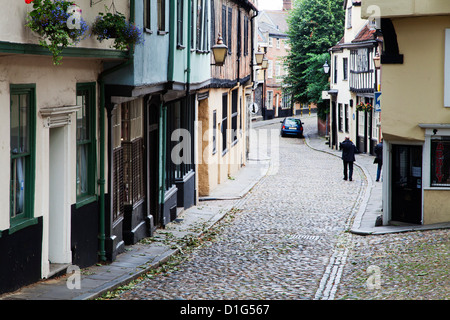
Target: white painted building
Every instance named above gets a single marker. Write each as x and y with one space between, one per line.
354 81
50 172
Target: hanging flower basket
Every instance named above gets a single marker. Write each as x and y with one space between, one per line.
58 24
115 26
364 107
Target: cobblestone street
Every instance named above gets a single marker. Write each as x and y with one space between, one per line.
281 240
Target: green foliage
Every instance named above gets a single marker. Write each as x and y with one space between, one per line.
314 27
49 20
115 26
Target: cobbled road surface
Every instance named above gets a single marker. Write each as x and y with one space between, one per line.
286 239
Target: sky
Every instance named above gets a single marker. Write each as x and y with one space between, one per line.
270 4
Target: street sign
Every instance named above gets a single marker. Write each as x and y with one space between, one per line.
254 108
377 101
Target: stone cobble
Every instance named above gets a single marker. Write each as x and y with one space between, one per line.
403 266
279 241
288 239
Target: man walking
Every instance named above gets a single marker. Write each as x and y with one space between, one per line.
348 156
379 158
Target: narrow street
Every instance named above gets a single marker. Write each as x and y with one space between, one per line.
282 241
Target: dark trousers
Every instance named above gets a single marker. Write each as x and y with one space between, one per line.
380 164
348 167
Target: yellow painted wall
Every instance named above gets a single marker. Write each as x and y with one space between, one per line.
413 92
436 206
390 8
215 168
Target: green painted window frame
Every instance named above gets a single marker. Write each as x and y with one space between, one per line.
89 89
26 218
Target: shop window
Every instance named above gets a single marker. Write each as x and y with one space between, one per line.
440 162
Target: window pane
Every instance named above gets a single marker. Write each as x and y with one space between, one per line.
147 13
21 169
161 15
83 117
24 107
116 126
15 125
82 169
180 22
199 24
17 186
440 163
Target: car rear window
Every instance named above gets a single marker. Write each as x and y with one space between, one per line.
293 122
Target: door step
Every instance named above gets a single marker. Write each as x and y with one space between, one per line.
57 269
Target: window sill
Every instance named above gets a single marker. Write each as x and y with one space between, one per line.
224 152
23 223
180 47
147 30
85 200
437 188
162 33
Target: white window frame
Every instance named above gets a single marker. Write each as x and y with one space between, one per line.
269 105
270 69
447 69
375 124
431 131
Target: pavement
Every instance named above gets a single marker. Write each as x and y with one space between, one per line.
92 282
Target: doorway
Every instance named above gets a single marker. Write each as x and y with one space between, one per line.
153 164
406 204
59 251
334 137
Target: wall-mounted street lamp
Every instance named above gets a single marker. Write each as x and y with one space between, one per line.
265 63
219 51
259 57
377 61
326 67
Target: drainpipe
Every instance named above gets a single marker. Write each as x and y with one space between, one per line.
101 181
252 24
172 26
188 46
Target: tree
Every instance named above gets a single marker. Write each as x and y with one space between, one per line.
314 27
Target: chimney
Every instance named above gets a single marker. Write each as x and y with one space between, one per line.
287 5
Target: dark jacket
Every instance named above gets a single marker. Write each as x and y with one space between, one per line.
379 152
348 150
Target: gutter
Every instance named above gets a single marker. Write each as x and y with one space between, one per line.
101 181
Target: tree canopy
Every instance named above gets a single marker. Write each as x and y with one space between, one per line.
314 27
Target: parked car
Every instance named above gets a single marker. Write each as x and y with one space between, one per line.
291 126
